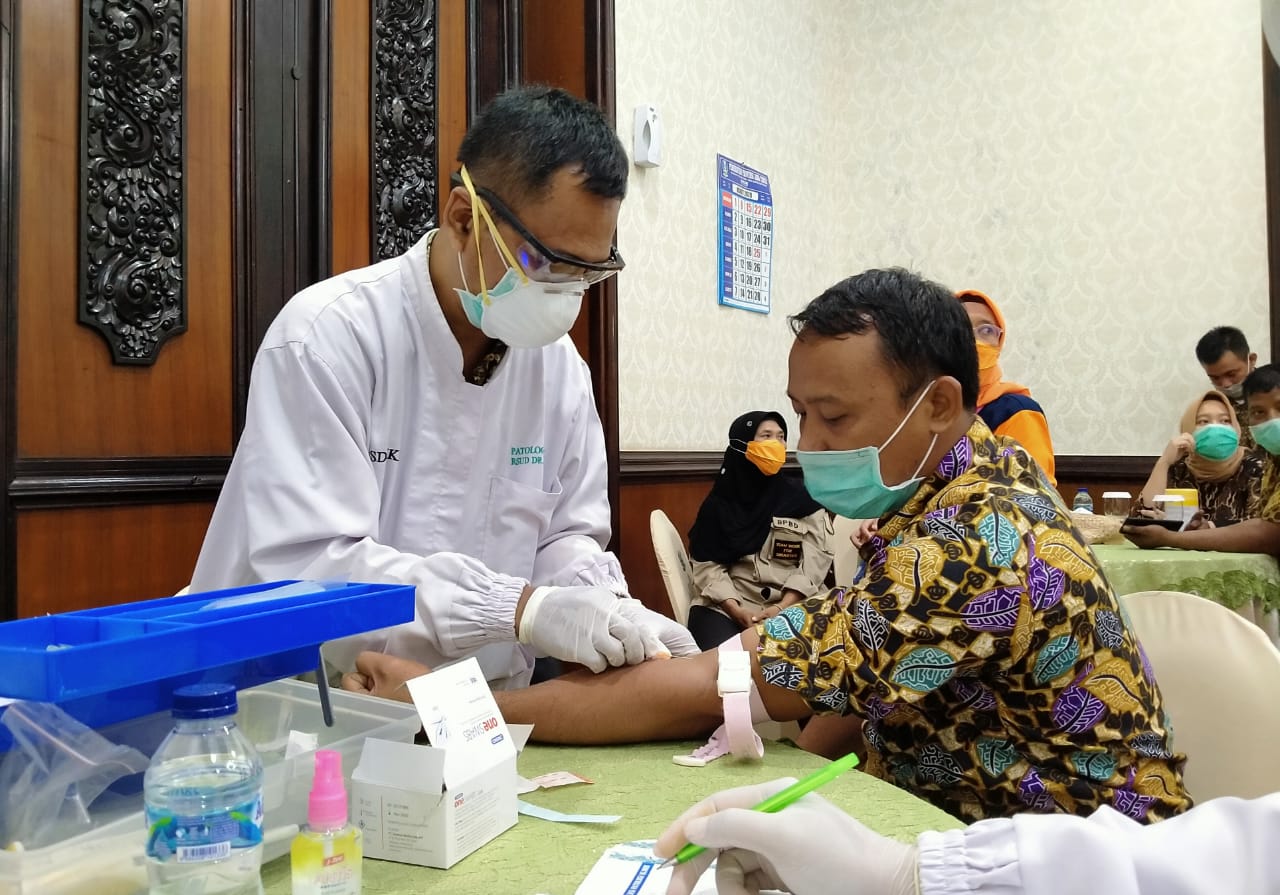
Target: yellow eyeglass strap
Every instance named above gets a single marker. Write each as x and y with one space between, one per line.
479 207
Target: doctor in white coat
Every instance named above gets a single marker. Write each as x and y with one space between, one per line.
427 420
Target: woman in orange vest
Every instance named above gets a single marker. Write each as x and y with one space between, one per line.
1006 407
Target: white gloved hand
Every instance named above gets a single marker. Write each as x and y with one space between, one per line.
808 848
593 626
662 636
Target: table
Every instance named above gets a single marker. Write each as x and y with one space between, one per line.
640 783
1248 583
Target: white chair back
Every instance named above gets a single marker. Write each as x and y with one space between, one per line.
1220 678
673 563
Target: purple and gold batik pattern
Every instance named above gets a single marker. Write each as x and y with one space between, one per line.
986 653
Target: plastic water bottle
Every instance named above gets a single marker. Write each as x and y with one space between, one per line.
1082 501
203 794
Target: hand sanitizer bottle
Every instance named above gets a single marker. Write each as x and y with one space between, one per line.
327 854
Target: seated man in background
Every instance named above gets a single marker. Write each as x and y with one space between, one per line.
1223 353
403 428
1261 532
981 645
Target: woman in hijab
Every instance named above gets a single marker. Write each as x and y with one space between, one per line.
1206 455
760 542
1006 407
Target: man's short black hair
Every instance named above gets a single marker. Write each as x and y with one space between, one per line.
924 331
1218 341
1262 380
524 136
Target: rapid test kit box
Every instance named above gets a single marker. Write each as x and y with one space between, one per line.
434 805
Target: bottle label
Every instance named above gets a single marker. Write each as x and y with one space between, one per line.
332 880
186 839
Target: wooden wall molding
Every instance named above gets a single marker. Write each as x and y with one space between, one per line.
404 107
49 483
1103 468
132 184
641 467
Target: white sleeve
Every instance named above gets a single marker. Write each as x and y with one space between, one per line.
312 508
573 552
1226 845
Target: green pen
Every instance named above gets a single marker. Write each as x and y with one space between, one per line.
779 800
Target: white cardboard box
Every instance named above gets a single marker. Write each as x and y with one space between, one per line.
434 805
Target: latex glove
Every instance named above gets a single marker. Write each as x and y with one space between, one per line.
592 626
808 848
663 636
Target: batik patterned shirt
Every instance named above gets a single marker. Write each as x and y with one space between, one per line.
1269 500
986 653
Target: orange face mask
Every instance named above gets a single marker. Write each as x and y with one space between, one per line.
768 456
988 364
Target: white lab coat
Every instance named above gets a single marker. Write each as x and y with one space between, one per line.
1222 846
366 456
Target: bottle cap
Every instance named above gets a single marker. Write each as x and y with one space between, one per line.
327 807
204 701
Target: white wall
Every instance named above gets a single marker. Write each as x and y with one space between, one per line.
1095 167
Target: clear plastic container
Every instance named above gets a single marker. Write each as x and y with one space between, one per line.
109 859
203 800
1117 503
1170 506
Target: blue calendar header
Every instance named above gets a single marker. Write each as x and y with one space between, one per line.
745 236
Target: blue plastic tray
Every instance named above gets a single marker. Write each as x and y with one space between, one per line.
118 662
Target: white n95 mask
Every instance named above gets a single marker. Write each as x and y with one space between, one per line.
518 310
521 312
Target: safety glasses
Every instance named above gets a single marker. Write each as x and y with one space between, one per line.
541 263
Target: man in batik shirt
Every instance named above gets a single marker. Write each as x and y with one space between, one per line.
980 644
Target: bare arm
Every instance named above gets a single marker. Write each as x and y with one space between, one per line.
660 700
1249 536
833 736
664 699
1177 448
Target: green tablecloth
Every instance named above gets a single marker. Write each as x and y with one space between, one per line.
1232 579
1248 583
641 784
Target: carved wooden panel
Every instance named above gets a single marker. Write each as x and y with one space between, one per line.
132 235
404 123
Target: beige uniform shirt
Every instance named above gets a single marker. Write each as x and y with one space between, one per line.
796 556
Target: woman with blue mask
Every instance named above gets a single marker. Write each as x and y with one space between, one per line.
1206 455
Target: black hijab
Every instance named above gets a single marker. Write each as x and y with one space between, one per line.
735 518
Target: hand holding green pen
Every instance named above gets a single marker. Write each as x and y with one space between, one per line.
780 800
812 848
